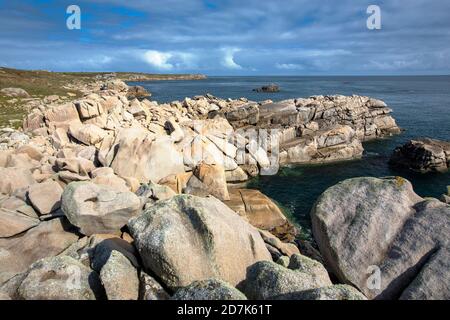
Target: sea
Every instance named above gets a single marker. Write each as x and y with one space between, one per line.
420 104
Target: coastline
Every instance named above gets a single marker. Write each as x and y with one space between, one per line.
69 171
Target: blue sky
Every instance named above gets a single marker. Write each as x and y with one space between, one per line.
228 37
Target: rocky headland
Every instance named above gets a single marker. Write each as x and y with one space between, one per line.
423 155
107 196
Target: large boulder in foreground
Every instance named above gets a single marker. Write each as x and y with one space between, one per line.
423 155
97 208
211 289
366 225
47 239
60 278
266 279
188 238
334 292
120 278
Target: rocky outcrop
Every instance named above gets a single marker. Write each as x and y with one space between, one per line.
380 236
269 88
423 155
96 208
138 92
210 289
214 241
110 163
338 143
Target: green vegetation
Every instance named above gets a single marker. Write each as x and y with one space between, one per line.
41 83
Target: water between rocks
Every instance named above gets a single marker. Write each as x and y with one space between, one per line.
421 106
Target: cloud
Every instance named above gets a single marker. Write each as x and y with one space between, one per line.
170 60
289 66
158 59
228 58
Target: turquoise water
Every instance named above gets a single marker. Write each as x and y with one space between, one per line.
421 106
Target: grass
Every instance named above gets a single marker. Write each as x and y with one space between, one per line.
42 83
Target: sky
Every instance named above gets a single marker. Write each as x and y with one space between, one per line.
228 37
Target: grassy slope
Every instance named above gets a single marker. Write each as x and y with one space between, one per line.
40 83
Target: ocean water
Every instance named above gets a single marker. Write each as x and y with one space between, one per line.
421 106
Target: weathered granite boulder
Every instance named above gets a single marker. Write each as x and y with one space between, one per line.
49 238
210 289
335 292
77 165
256 208
153 191
120 278
15 92
105 176
60 278
89 134
153 158
45 197
266 279
188 238
268 88
243 115
115 85
423 155
18 203
150 289
236 175
380 236
446 197
62 116
88 109
212 179
137 92
94 251
13 223
335 144
97 208
174 130
12 179
276 247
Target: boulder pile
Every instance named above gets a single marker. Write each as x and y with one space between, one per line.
109 187
423 155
